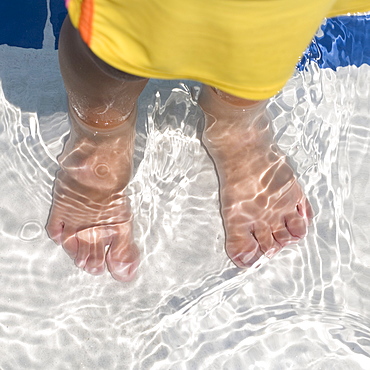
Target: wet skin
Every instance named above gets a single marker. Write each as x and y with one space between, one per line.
90 208
262 204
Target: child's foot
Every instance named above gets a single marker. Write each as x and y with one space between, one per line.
262 205
90 209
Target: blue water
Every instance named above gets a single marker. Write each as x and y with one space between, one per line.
341 42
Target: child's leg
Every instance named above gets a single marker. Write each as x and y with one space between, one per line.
263 206
90 209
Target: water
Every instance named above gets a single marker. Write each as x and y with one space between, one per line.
189 308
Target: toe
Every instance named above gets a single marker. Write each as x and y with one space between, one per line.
95 263
123 259
296 224
244 252
269 246
84 241
305 210
91 249
122 271
282 235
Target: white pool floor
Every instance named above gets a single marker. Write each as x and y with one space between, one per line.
189 308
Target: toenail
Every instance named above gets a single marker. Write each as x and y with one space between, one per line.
94 271
124 271
80 264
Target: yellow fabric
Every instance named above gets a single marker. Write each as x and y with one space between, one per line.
248 48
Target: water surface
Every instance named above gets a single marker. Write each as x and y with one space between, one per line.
189 308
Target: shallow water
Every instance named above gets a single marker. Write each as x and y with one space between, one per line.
189 308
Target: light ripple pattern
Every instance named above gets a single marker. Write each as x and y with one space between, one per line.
190 307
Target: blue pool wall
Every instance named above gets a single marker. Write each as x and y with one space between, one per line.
22 22
343 41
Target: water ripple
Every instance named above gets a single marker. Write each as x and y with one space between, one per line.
190 308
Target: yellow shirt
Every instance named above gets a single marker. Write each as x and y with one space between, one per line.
247 48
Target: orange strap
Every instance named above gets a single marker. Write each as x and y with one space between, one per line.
86 19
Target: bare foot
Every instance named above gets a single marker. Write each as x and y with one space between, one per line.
90 209
262 205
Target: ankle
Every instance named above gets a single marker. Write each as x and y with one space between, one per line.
225 120
103 124
233 100
215 101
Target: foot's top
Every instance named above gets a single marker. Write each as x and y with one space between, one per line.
90 209
263 206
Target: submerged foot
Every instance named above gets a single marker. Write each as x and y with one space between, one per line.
262 204
90 209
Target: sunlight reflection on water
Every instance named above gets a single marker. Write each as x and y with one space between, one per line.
190 307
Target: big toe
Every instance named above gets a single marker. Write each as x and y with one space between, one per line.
296 225
123 261
122 271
